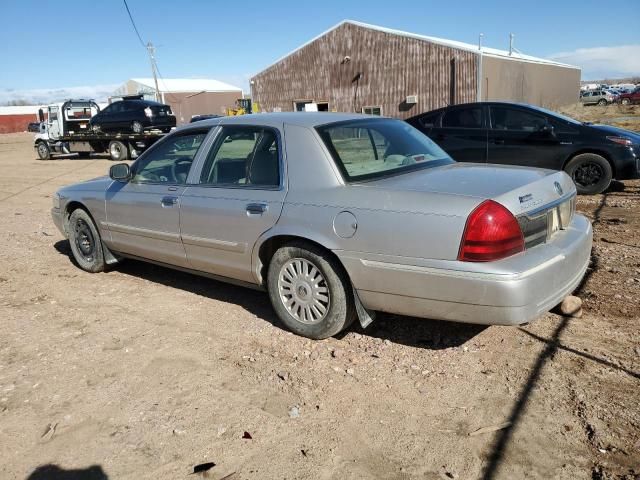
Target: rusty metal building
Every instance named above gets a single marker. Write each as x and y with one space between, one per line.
356 67
186 96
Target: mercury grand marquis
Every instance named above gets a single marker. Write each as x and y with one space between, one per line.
337 216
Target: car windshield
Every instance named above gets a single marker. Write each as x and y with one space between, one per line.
372 148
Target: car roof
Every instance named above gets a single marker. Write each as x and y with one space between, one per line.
303 119
480 104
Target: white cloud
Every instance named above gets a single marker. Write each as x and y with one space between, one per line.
603 62
39 96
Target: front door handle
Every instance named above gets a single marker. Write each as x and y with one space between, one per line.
498 141
256 208
168 201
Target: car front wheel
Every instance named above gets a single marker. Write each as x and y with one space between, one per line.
602 102
590 172
625 101
85 242
309 291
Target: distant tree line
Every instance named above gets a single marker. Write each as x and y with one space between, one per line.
17 103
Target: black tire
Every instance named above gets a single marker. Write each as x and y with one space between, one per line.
118 151
341 309
625 101
136 127
85 242
44 153
602 102
591 173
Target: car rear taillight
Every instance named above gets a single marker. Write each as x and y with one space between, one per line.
491 233
148 112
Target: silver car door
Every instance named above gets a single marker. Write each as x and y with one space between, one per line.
238 195
143 214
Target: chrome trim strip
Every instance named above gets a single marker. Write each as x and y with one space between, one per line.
214 243
461 273
142 232
548 206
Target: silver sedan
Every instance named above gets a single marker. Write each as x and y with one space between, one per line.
337 216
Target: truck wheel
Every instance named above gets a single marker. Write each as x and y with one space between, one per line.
43 151
85 242
136 127
625 101
309 291
590 172
118 151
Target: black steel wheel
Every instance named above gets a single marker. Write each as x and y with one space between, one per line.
590 172
85 242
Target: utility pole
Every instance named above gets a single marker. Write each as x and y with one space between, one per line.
152 51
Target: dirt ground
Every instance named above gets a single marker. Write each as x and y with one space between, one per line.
144 373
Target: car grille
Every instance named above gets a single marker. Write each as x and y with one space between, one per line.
542 225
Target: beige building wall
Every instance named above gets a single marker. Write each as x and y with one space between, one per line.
185 105
548 86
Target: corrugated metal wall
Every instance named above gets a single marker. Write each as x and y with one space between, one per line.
539 84
392 68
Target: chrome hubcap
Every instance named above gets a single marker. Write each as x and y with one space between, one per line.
303 291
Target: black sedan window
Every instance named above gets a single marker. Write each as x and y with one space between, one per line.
463 118
504 118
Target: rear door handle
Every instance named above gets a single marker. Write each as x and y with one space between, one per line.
256 208
498 141
168 201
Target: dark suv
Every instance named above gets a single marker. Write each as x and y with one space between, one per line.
519 134
133 115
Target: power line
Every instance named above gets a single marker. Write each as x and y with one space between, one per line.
134 25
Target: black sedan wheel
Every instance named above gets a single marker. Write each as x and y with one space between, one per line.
136 127
590 172
85 242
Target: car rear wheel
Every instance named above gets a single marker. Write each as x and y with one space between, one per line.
590 172
44 153
118 151
602 102
309 291
85 242
136 127
625 101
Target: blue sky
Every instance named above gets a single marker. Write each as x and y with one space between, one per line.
91 44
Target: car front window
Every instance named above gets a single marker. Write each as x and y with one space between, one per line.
170 161
368 149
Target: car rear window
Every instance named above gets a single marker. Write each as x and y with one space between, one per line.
369 149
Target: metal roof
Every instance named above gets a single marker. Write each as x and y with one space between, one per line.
175 85
486 51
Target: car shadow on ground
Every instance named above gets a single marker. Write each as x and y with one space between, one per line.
53 472
413 332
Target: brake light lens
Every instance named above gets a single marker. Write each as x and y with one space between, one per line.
148 112
620 140
491 233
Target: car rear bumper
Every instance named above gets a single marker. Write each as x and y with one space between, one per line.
508 292
161 121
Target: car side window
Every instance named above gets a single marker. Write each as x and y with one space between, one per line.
504 118
170 161
429 120
243 156
463 118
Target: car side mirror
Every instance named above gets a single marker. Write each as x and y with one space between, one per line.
547 130
120 172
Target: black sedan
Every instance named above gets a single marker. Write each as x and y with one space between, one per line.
133 115
518 134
